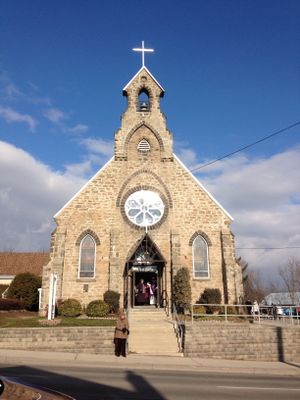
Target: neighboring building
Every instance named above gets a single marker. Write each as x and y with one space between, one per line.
12 263
283 298
142 216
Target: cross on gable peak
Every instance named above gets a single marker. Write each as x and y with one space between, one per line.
143 50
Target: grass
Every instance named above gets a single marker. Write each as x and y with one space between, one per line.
31 320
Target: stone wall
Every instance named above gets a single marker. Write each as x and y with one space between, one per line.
242 341
95 340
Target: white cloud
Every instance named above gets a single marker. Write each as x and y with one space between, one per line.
10 116
79 128
8 90
263 197
26 210
187 156
261 194
99 152
99 146
12 92
55 115
79 169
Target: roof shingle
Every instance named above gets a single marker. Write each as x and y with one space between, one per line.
16 263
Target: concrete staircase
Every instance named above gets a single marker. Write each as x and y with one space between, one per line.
152 333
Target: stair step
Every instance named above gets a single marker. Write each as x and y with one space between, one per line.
152 332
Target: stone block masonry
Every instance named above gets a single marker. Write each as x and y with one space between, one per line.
98 210
242 342
93 340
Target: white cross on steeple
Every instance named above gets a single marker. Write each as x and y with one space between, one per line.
143 50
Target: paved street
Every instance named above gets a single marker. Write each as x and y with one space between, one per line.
101 383
150 378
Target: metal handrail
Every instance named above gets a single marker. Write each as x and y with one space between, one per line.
179 329
250 311
165 300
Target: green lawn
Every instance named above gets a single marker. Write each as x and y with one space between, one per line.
25 320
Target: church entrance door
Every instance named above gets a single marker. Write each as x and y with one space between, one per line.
144 276
146 284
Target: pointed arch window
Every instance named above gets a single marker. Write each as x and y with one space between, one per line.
143 100
200 258
87 257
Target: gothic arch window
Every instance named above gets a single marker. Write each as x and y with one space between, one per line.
87 232
143 100
87 257
200 258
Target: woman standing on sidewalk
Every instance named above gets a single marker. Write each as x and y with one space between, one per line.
121 335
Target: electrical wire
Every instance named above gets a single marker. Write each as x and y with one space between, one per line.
267 248
247 146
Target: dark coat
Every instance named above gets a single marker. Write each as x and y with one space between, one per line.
141 298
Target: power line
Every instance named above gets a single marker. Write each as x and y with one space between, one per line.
247 146
267 248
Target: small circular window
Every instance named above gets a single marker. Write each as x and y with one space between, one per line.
144 208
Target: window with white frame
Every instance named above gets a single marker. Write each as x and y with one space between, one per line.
200 258
87 257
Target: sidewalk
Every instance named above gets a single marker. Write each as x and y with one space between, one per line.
145 362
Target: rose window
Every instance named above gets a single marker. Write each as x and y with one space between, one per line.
144 208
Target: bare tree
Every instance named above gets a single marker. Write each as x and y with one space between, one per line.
255 288
290 276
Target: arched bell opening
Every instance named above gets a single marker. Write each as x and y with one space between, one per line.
144 280
143 104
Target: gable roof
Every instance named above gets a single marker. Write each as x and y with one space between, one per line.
139 71
283 298
179 161
16 263
203 188
84 186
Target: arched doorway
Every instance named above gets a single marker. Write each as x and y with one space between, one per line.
144 280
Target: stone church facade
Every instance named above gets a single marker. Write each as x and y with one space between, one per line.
142 216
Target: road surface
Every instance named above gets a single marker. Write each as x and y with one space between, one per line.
98 382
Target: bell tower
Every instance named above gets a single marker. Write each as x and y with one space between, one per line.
143 124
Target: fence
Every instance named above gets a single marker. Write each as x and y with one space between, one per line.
257 313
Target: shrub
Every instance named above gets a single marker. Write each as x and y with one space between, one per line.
69 308
11 304
97 308
182 293
25 287
112 298
232 310
199 310
211 296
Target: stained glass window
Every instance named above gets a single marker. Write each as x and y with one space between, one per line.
200 258
87 257
144 208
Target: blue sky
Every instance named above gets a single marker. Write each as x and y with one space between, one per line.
230 70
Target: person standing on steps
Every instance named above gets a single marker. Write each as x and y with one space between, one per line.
121 334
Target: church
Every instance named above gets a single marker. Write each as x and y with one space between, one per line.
141 218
